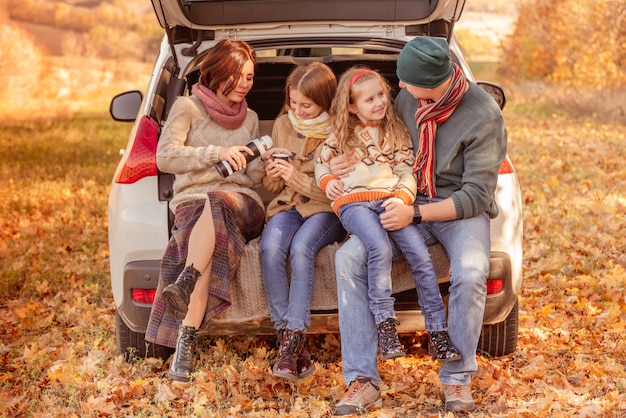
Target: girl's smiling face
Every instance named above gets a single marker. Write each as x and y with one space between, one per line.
302 106
370 101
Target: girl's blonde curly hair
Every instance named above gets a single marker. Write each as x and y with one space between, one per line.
344 122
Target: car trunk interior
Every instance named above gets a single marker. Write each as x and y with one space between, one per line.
268 93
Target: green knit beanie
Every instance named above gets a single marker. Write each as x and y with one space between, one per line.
424 62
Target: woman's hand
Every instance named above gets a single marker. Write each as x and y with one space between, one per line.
234 155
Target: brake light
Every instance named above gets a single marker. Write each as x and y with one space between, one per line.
495 286
145 296
141 161
506 167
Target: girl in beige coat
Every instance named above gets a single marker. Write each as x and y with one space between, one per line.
300 219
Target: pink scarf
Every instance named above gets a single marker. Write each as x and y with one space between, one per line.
430 114
227 117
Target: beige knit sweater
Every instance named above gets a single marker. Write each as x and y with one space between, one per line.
189 146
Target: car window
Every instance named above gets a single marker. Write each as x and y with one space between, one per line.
308 52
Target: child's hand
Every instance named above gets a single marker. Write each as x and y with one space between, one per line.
268 155
273 169
286 170
334 189
280 168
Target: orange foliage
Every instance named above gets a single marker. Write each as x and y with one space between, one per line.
574 42
57 343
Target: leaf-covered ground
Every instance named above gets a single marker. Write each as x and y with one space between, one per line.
57 348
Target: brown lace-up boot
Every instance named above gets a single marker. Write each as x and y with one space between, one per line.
177 294
183 361
304 364
290 347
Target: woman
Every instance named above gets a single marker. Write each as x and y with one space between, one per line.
300 219
214 215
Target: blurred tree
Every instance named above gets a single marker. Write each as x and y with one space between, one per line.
18 66
578 43
492 6
113 25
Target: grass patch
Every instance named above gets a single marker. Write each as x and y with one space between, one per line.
55 177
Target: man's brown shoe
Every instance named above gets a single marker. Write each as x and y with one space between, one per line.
361 397
458 398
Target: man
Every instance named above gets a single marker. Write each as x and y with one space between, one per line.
459 138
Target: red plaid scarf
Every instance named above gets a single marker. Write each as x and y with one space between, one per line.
430 114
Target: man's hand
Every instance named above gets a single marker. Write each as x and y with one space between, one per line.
397 214
341 165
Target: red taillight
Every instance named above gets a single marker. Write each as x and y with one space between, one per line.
506 167
141 161
495 286
145 296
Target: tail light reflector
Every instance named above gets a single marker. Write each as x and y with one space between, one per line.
495 286
141 161
145 296
506 167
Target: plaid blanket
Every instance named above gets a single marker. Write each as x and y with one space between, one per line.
237 219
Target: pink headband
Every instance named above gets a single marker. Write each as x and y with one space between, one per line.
358 75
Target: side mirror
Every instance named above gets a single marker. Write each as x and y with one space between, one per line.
125 106
494 91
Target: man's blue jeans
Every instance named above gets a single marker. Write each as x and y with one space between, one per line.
467 244
288 234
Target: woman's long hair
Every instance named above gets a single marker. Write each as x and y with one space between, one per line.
314 80
345 122
224 62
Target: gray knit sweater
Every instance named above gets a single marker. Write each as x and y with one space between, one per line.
189 146
469 148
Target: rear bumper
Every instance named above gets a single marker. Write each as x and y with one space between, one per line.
145 274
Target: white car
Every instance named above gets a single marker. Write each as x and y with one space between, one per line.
283 33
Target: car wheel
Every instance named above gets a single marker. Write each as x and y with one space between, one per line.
500 339
133 344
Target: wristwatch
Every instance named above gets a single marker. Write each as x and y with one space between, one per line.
416 214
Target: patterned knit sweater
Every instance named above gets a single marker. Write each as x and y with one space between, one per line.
189 147
381 173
